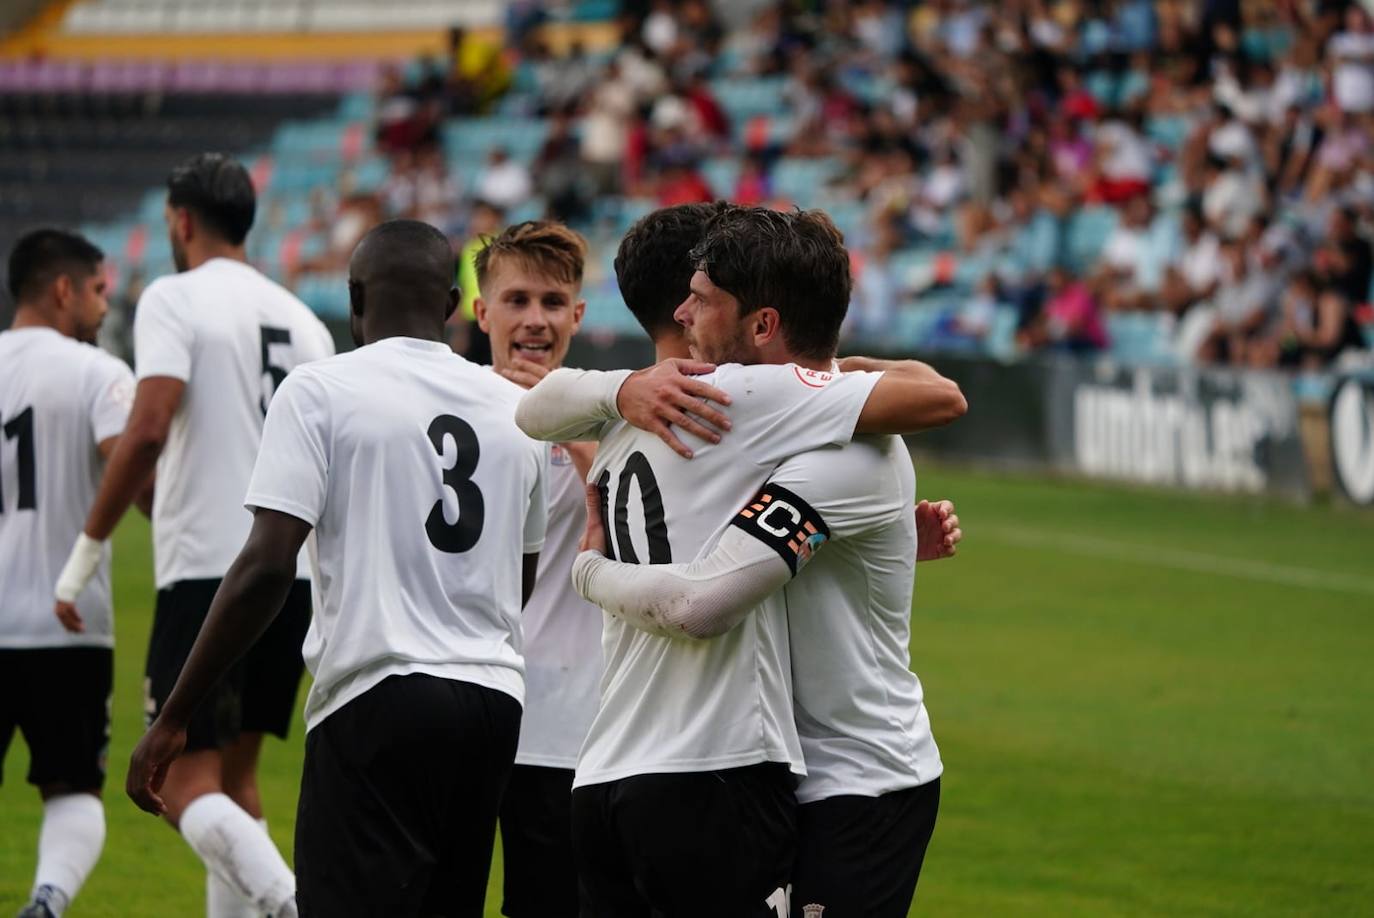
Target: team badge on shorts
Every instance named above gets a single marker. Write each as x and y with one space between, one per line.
812 911
560 456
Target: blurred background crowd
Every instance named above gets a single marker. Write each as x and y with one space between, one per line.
1165 182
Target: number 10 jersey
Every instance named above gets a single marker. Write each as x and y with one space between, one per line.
424 497
674 705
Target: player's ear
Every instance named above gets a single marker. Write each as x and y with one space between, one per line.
479 312
455 296
767 325
579 310
355 298
62 290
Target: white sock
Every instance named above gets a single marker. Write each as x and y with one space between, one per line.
68 846
236 849
223 900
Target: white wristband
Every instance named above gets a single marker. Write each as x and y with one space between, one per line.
79 569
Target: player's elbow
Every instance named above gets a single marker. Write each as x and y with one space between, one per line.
146 437
527 418
953 404
700 620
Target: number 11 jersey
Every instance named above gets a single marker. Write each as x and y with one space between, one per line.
674 705
231 335
424 497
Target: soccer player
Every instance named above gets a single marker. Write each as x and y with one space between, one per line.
62 406
211 344
683 800
871 791
531 306
428 508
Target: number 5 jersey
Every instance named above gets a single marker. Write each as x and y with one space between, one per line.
675 705
231 335
424 496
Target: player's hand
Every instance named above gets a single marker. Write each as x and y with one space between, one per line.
148 766
71 619
594 536
665 395
524 373
937 530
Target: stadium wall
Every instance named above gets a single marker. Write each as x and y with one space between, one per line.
1240 432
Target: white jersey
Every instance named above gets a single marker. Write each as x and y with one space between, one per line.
58 400
860 709
562 634
672 705
231 335
424 496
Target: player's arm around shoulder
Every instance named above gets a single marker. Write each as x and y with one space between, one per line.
573 404
910 397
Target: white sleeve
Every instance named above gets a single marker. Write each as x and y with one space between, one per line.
111 398
704 599
292 469
537 514
845 491
571 404
163 341
779 410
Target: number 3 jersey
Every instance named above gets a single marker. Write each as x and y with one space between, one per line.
231 335
424 497
676 705
58 400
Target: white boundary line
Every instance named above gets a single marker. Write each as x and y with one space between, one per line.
1192 561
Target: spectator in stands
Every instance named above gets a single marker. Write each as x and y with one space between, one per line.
504 182
1352 53
558 174
466 337
606 128
1124 160
1315 328
478 73
406 121
1071 320
1245 303
1195 273
1131 263
1344 262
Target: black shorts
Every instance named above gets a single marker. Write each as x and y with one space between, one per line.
59 698
399 796
704 843
259 693
863 855
536 844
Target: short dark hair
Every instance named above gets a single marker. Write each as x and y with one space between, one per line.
218 190
794 262
544 245
653 265
43 255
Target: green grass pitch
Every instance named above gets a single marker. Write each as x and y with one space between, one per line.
1148 704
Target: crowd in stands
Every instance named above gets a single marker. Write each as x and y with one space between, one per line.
1012 176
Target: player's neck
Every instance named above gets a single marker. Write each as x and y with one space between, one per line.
419 331
33 317
199 255
670 348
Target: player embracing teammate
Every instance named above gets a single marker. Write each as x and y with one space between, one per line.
740 723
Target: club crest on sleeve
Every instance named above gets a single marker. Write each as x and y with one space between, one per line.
814 379
812 911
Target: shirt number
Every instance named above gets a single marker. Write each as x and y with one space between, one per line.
272 373
462 534
20 428
637 470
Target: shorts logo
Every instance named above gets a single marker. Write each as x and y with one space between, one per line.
559 456
815 379
812 911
